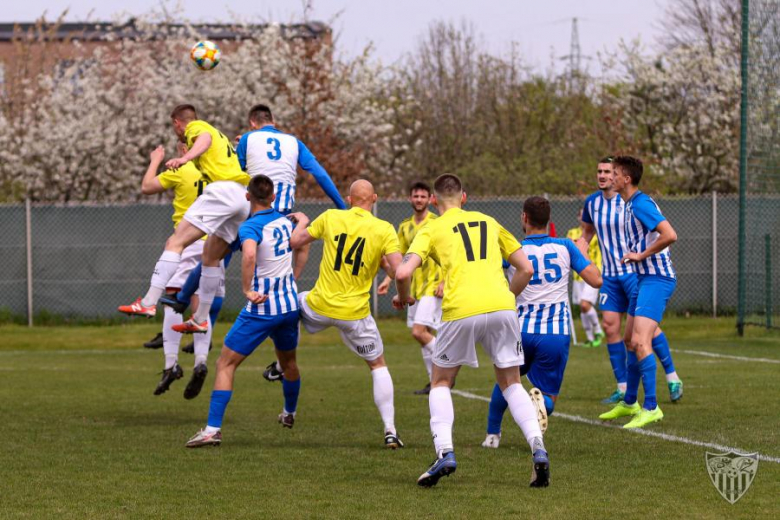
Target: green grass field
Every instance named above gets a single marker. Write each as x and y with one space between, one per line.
83 436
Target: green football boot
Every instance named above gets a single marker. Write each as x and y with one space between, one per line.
621 410
645 417
675 390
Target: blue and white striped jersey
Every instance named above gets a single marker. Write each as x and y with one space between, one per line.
608 217
642 218
277 155
273 269
543 307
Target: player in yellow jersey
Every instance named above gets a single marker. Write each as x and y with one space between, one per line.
478 307
425 315
354 244
218 213
187 184
583 294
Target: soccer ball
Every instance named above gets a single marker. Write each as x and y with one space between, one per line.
205 55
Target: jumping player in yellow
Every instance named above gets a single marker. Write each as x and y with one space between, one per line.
355 243
478 307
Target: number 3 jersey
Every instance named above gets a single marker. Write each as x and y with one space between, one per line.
543 307
273 266
353 244
469 246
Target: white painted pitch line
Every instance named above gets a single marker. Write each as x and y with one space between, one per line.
648 433
726 356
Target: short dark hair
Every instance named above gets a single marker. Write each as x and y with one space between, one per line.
631 165
419 185
537 209
261 188
185 113
606 160
447 185
261 114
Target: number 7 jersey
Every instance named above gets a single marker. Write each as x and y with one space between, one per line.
469 246
353 244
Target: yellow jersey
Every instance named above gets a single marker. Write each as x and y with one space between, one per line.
594 251
428 276
219 162
187 183
354 242
469 246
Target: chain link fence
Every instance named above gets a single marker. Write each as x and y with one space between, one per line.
87 259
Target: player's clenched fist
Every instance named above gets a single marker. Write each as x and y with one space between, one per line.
255 297
158 154
176 163
400 305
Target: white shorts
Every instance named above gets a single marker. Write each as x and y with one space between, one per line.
427 311
582 291
220 210
498 332
190 258
361 336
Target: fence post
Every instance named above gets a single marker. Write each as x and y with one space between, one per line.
768 254
28 233
743 123
714 254
374 293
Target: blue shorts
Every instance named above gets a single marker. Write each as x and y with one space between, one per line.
616 292
250 330
651 296
545 360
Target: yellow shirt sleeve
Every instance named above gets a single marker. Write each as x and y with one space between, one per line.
390 242
507 242
317 226
169 178
421 245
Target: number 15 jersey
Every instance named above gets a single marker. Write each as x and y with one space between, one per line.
469 246
353 244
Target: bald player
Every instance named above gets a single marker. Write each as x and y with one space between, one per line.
355 243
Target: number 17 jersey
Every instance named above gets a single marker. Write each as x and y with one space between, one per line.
353 244
469 246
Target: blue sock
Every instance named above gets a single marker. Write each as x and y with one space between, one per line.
617 357
661 349
632 381
647 368
291 389
227 258
190 285
219 401
498 406
549 404
216 306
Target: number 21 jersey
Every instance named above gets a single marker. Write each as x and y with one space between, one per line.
353 244
469 246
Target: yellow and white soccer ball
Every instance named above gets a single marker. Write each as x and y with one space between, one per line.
205 55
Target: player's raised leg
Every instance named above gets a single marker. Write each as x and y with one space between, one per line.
664 354
214 250
384 400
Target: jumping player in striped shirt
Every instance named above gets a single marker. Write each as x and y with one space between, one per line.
543 310
648 237
271 309
604 216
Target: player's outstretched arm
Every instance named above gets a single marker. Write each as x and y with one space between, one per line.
300 236
592 276
309 163
523 271
201 144
403 280
248 262
150 183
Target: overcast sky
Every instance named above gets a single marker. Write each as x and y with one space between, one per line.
541 29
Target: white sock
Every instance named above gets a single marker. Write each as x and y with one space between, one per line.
586 326
622 387
442 418
171 338
202 342
163 271
523 412
211 429
672 376
594 316
427 355
383 397
209 284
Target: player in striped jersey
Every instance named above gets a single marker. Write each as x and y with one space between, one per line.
648 237
604 216
583 294
271 309
424 316
543 310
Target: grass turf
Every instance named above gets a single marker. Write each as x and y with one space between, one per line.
85 438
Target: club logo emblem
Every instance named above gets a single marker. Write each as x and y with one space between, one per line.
732 473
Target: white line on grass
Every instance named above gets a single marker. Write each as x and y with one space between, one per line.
726 356
649 433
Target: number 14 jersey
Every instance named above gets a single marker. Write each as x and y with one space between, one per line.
469 246
353 244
